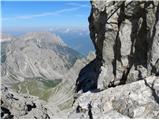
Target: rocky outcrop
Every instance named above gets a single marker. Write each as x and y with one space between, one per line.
122 81
135 100
14 105
125 35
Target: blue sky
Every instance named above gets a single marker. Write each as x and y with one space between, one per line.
18 15
68 19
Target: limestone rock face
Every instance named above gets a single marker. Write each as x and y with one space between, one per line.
134 100
122 81
14 105
125 35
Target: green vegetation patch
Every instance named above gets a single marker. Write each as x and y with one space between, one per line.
37 87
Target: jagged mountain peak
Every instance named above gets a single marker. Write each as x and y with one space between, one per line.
45 37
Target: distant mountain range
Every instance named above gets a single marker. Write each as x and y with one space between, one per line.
77 39
36 54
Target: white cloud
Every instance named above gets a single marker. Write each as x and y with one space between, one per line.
77 4
73 4
44 14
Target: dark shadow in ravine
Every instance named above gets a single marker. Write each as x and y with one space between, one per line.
87 79
88 76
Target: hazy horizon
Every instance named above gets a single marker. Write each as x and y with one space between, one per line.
68 19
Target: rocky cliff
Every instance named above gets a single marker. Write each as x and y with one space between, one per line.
135 100
122 81
125 35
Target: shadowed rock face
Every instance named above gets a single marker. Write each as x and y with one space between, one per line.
89 74
125 36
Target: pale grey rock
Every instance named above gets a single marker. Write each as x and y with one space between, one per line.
153 59
135 100
136 74
14 105
125 35
91 56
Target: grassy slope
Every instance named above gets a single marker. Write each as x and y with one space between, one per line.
40 88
